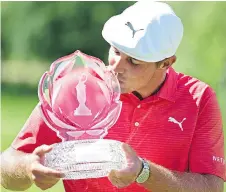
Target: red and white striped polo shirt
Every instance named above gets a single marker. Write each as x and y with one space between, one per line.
179 128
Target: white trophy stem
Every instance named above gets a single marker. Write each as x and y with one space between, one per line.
82 109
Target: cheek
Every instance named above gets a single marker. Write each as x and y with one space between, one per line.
142 75
111 60
138 73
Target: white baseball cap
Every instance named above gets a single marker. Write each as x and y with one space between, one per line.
147 31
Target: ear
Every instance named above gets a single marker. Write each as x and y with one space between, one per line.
166 63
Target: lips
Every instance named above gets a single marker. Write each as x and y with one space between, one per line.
121 79
121 82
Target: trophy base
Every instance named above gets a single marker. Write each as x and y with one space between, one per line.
82 159
85 175
94 171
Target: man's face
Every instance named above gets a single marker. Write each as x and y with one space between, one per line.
134 75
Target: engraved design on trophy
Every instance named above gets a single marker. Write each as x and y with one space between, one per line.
82 109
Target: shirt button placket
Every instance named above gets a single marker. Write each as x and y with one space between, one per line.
136 124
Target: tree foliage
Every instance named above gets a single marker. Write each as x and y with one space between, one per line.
48 30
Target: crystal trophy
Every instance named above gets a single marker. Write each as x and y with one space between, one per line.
79 100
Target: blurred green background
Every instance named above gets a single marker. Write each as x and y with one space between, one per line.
34 34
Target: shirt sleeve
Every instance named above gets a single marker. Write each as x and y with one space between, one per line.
34 133
207 148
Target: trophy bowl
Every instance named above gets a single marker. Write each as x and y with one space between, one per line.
82 159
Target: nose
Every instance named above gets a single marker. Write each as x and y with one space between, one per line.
118 65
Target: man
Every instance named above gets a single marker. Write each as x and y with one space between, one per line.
170 123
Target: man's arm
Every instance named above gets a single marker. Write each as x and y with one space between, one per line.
14 175
21 163
162 179
19 170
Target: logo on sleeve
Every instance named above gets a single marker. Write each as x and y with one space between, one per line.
219 159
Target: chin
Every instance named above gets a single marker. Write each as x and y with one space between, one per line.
124 90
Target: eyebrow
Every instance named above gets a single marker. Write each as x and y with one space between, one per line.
140 62
129 56
135 59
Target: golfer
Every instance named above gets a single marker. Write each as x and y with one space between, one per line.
170 123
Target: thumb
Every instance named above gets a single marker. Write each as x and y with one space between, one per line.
129 152
41 150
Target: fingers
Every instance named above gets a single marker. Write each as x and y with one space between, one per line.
41 150
45 177
118 181
134 163
44 180
39 169
128 150
126 176
113 179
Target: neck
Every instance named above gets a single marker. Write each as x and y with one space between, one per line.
150 90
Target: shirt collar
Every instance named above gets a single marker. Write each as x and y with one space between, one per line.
166 92
170 86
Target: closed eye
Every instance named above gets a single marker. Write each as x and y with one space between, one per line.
114 51
133 61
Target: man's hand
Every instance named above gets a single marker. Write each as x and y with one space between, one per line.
42 176
127 176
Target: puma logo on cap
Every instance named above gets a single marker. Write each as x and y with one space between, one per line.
132 28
